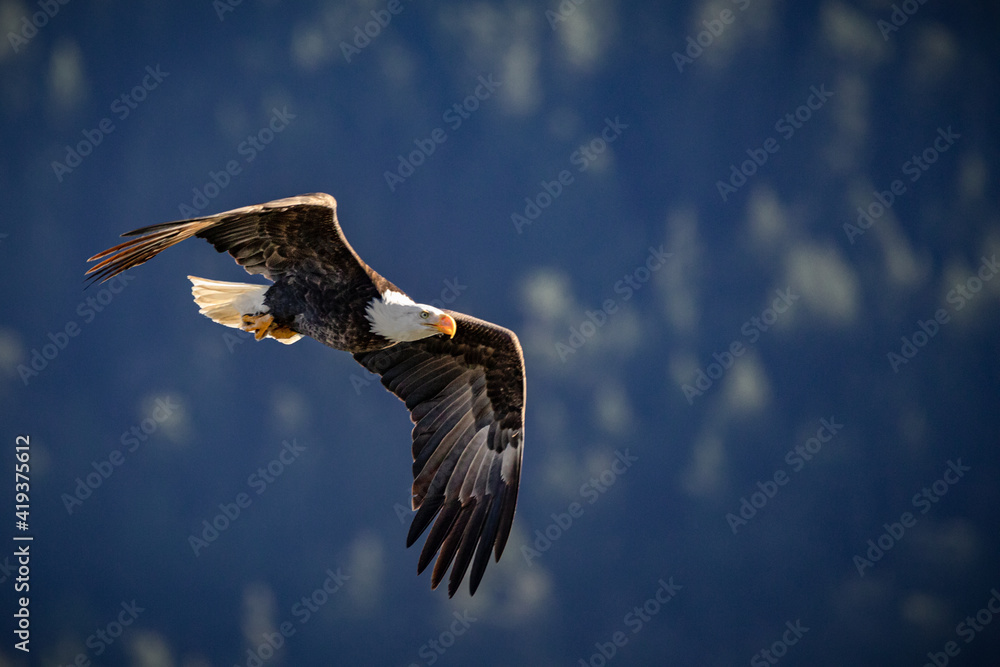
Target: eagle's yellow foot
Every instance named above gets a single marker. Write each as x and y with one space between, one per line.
257 324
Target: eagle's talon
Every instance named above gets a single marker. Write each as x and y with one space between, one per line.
257 324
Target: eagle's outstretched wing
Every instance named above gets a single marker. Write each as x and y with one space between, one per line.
466 398
465 394
297 234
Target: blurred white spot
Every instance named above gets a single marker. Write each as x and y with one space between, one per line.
366 565
309 47
334 29
703 475
12 352
614 413
960 282
10 22
531 588
520 78
598 461
149 649
852 34
587 33
902 266
290 407
746 387
489 36
826 282
258 612
974 175
676 280
749 29
66 82
768 223
165 412
547 294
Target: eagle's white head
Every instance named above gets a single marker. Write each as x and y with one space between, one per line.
395 316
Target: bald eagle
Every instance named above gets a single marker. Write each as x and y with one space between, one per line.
462 379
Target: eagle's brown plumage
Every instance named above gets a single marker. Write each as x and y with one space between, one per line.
296 242
465 394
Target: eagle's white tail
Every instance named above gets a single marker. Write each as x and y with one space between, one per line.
227 303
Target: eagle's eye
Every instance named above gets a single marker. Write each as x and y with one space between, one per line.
424 314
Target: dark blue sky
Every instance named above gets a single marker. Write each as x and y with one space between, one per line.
749 248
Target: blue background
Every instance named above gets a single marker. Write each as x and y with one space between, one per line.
446 233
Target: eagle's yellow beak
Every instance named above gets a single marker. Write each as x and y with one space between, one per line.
446 325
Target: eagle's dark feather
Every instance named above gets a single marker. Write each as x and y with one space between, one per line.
321 286
466 400
465 394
